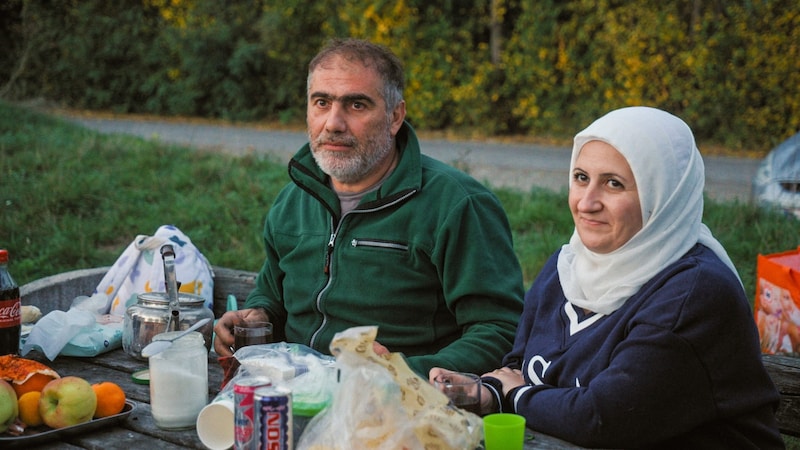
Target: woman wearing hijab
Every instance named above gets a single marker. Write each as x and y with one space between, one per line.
638 332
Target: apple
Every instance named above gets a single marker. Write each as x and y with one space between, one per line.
67 401
9 410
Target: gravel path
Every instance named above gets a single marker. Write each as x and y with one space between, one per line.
518 166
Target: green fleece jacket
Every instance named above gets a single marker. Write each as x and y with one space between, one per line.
427 258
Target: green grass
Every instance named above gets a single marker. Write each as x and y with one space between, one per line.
71 198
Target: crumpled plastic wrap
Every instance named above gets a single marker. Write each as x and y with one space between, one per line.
83 330
382 404
310 375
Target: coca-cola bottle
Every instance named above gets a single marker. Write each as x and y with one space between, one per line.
10 308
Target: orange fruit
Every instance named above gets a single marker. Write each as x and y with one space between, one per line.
110 399
29 408
25 375
34 383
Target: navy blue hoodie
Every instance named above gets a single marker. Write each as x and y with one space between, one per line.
677 366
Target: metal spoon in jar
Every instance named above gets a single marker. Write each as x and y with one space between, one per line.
156 347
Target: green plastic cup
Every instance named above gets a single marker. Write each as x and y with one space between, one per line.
503 431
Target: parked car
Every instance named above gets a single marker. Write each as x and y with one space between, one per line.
777 180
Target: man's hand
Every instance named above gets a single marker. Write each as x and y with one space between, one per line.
223 342
380 349
437 374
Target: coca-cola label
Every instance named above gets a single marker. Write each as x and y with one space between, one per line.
10 313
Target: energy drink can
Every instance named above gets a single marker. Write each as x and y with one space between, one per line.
244 420
274 418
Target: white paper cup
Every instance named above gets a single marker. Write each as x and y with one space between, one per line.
215 424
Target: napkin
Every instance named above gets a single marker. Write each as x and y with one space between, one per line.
79 331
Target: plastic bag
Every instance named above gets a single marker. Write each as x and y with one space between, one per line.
80 331
777 302
366 413
309 374
140 269
382 404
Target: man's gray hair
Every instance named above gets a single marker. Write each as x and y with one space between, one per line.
383 60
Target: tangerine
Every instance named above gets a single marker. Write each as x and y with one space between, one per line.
25 375
110 399
29 408
34 383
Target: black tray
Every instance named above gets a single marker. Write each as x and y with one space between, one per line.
38 435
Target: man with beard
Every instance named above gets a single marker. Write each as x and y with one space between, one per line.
372 232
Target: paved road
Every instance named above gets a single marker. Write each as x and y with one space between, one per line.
519 166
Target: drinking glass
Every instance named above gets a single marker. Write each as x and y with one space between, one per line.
463 390
251 333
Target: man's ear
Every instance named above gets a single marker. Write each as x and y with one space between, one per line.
398 115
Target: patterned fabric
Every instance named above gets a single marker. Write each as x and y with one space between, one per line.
140 269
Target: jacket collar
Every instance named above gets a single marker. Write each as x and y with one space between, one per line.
406 177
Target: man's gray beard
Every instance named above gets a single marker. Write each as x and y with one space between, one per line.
356 164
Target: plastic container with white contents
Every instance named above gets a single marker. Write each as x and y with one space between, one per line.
179 381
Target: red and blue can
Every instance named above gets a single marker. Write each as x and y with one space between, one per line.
274 418
244 419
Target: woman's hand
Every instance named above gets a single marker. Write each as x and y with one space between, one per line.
511 378
223 342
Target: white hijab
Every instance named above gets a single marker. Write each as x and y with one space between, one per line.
669 174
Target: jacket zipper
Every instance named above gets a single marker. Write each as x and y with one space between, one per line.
379 244
327 266
329 255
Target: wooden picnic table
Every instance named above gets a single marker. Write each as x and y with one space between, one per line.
138 430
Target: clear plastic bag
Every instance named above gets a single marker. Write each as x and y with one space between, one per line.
366 413
381 403
309 374
79 331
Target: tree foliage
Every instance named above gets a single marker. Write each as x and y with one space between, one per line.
731 69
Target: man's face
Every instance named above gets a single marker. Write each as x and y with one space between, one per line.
350 132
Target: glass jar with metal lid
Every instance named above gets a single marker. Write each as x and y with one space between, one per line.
150 315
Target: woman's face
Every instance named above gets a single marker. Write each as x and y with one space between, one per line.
603 198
